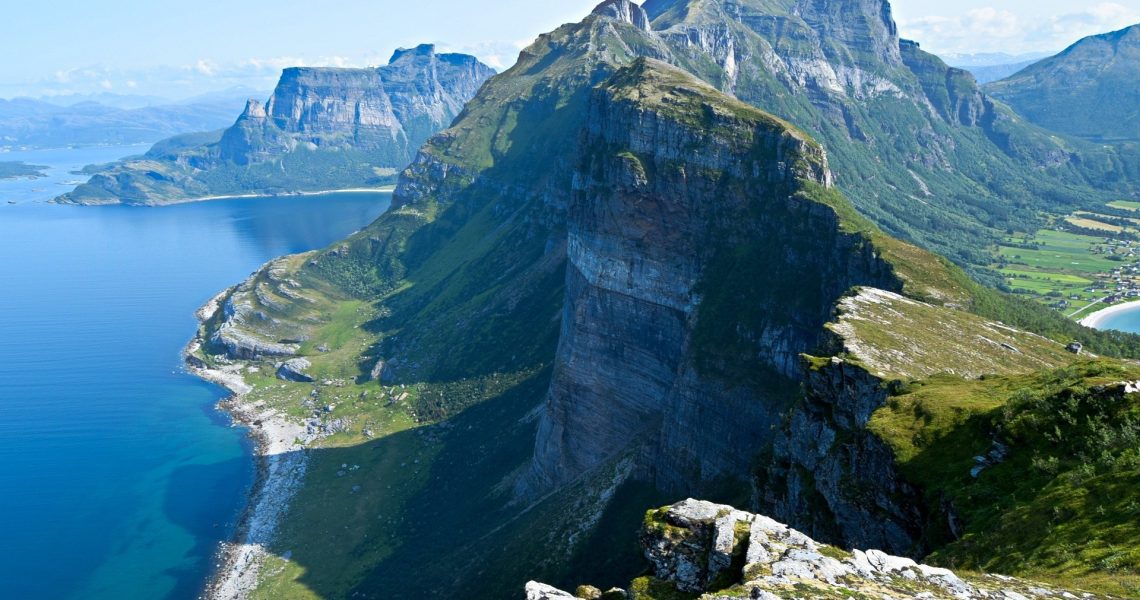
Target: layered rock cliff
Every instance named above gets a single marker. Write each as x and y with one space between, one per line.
684 196
323 128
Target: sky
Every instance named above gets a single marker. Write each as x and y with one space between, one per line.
177 50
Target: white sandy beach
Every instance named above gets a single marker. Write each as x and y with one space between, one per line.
382 189
1095 319
375 190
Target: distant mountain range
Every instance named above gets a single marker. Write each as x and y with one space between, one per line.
111 119
1090 90
990 59
323 128
988 73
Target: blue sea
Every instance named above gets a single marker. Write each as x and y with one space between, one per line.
1125 320
118 477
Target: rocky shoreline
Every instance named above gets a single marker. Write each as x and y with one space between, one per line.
280 448
357 190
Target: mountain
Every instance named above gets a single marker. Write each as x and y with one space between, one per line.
918 147
991 66
29 123
612 284
990 59
323 128
1089 90
986 74
124 101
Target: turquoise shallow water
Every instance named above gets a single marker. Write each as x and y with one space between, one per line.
1125 320
117 476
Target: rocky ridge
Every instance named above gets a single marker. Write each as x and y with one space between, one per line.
716 552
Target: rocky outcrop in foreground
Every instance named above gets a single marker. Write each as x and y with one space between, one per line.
718 552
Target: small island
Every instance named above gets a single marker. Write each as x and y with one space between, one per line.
15 169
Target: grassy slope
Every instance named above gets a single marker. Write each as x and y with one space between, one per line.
898 338
930 278
1063 506
468 261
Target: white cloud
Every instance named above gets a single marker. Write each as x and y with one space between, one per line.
206 67
211 74
991 29
980 29
273 64
1101 18
991 22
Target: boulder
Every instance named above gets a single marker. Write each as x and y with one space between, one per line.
541 591
716 552
381 371
295 370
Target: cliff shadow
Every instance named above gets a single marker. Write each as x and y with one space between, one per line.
428 513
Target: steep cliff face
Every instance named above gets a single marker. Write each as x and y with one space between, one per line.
951 93
682 189
323 128
390 110
625 11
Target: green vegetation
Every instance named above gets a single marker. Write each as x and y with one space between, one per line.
1125 205
898 338
199 173
14 169
1055 497
1075 269
1057 267
957 212
462 431
930 278
651 588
